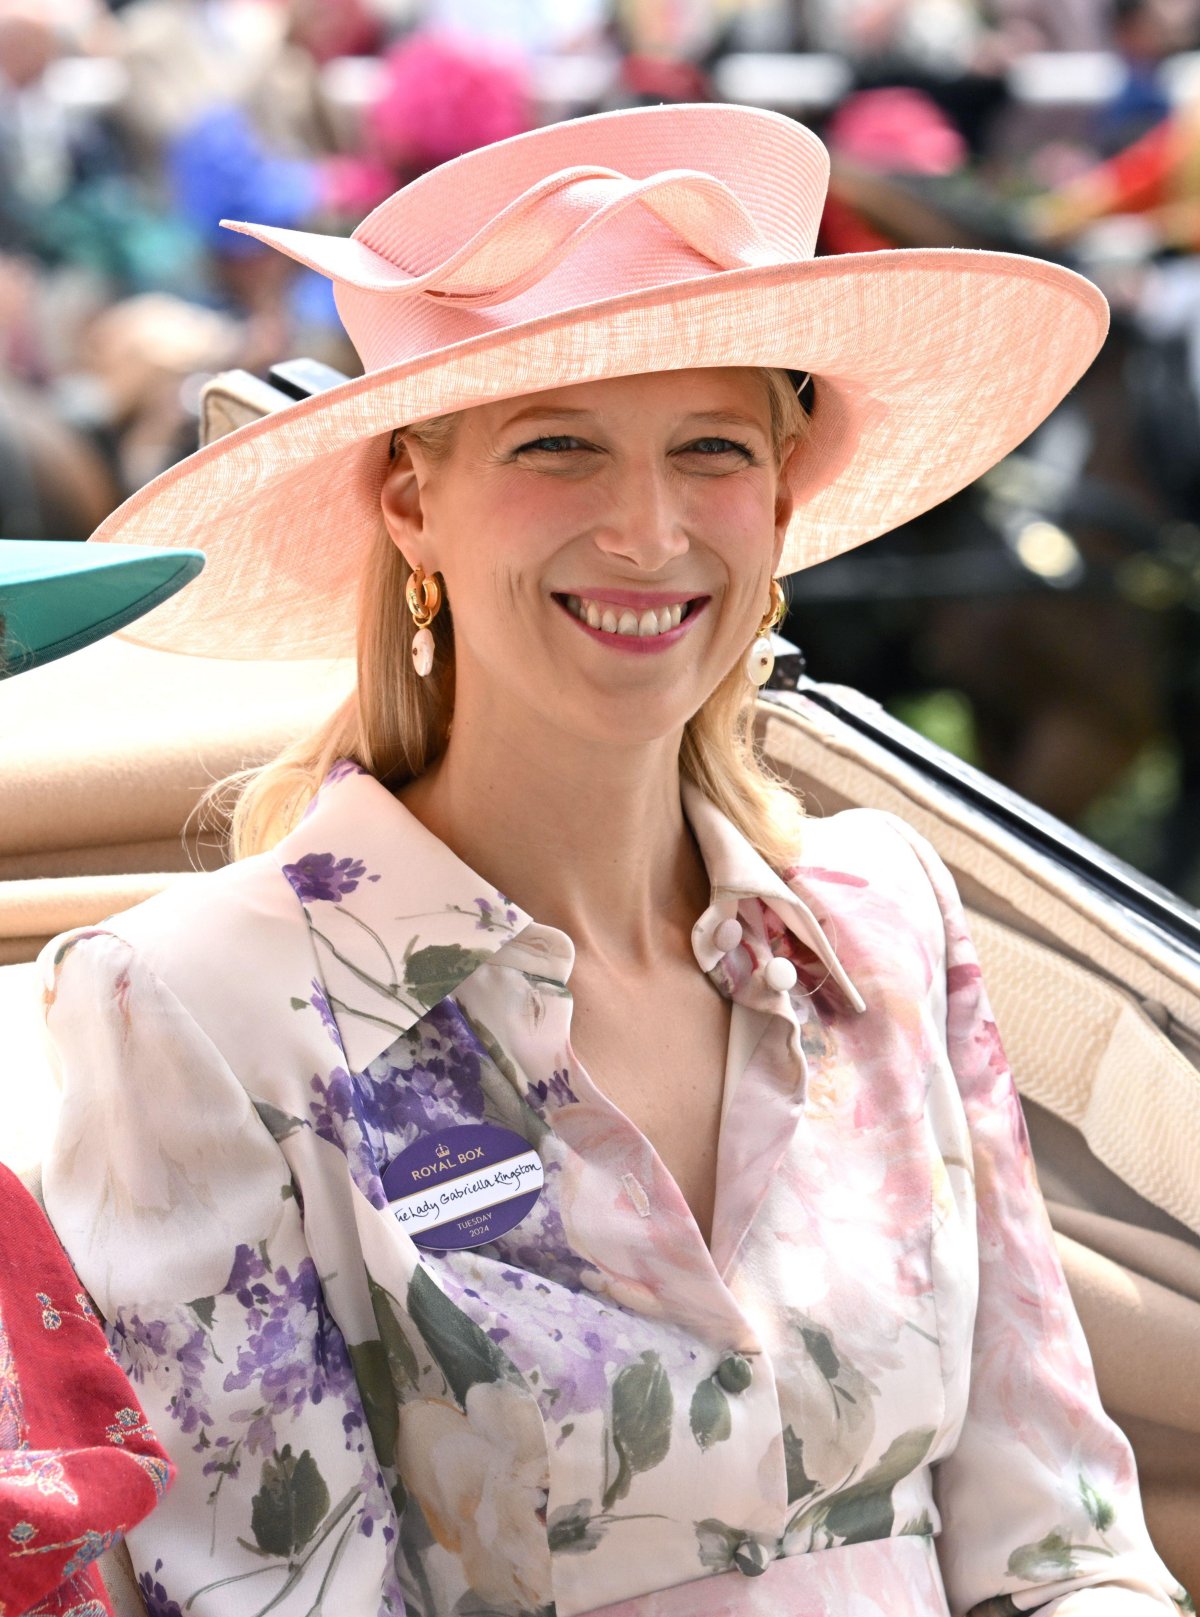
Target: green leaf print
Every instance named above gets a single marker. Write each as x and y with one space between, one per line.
463 1352
919 1527
1050 1557
369 1361
290 1504
571 1529
280 1124
1099 1509
716 1542
709 1415
722 1547
436 970
642 1407
401 1360
204 1309
799 1483
823 1353
864 1510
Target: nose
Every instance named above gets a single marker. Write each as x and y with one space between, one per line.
646 527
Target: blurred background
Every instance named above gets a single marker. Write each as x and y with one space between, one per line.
1044 624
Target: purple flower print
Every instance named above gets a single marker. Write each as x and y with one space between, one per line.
431 1076
144 1345
321 1005
340 770
375 1509
569 1362
320 878
338 1115
539 1245
343 768
157 1601
557 1091
494 919
291 1352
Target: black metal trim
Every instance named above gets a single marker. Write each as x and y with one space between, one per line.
1116 880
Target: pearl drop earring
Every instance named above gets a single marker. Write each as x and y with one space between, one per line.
760 659
424 596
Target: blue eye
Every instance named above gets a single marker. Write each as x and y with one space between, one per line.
552 445
720 446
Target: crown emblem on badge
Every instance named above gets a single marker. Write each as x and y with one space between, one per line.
441 1151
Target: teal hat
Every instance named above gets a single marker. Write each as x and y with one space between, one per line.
57 595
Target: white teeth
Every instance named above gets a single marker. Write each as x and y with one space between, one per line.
623 621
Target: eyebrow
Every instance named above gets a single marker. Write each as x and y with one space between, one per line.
553 412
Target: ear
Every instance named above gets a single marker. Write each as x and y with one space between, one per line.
401 504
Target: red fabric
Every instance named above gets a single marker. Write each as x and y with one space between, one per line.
845 231
1140 176
78 1464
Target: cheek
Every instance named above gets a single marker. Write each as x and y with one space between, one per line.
735 518
489 586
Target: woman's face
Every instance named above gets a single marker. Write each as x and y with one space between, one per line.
606 548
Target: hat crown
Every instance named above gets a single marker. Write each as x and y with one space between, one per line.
568 216
554 216
776 169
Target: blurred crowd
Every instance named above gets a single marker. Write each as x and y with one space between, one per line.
1069 128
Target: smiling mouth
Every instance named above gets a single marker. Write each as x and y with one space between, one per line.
623 621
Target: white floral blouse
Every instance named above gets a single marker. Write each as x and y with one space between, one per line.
868 1397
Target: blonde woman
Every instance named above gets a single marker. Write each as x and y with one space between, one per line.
546 1172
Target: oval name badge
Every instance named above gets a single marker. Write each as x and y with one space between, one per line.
463 1185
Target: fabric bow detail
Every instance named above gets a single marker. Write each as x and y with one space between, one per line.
533 234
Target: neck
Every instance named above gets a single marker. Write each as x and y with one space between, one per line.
587 838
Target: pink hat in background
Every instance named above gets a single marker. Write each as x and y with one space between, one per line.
656 238
442 97
897 131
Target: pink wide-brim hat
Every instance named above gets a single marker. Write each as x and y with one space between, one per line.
660 238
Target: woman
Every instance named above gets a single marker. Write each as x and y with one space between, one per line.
549 1174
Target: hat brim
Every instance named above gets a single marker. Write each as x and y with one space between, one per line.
929 366
56 597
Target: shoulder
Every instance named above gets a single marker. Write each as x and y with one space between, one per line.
869 856
885 902
221 944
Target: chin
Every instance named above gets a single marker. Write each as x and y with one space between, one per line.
629 720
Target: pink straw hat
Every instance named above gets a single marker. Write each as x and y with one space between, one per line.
660 238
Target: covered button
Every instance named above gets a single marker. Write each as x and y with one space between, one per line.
751 1558
728 935
735 1372
780 975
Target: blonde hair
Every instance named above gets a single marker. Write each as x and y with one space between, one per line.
394 723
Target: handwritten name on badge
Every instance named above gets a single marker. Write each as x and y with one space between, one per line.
463 1185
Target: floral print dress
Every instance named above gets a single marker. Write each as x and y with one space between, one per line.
867 1395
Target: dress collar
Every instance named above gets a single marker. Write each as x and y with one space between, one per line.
398 921
737 871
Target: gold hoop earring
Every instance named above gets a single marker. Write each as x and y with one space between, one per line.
424 596
760 659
